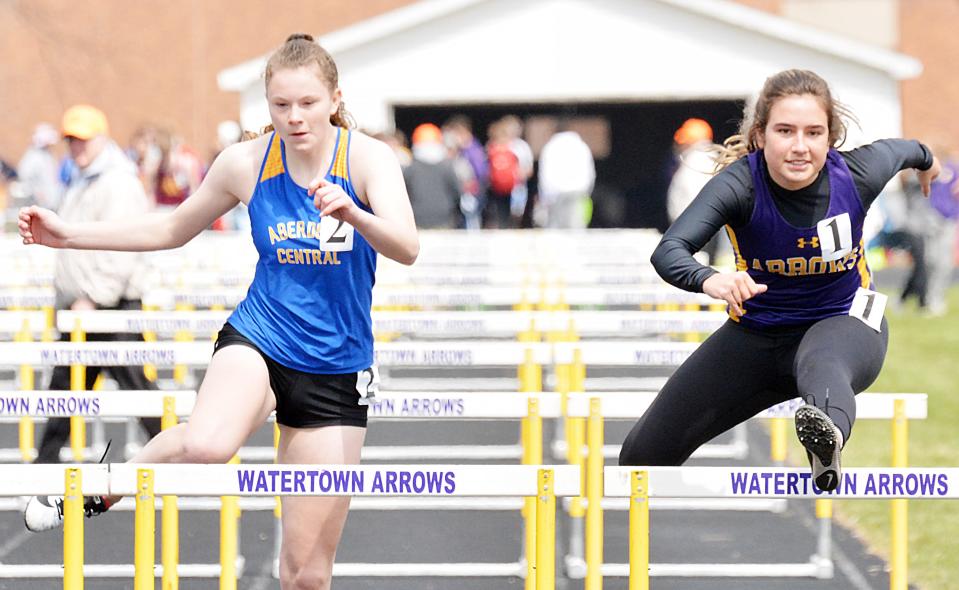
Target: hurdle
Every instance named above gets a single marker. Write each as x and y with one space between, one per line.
896 407
542 483
639 484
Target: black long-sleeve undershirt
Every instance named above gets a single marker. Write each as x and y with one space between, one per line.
729 198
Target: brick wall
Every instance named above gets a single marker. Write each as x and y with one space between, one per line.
143 61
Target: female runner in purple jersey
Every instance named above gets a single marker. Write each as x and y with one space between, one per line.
804 317
321 416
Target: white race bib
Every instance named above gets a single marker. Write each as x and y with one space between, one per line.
367 384
835 237
868 306
335 235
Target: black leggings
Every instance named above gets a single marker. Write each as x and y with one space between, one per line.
738 372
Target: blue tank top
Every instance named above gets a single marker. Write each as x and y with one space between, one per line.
802 287
307 309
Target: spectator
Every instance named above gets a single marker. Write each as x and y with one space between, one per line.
431 181
106 188
38 170
566 178
692 144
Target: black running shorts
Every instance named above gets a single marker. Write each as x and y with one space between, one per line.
309 400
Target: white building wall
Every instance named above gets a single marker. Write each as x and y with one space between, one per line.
584 50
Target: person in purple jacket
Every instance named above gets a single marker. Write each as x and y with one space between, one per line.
804 317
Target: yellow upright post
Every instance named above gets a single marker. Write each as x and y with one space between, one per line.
180 372
899 574
145 532
639 531
777 440
78 379
229 529
545 531
73 530
278 509
150 370
27 441
594 497
170 526
532 455
576 431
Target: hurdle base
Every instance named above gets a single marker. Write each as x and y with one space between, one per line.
124 570
816 568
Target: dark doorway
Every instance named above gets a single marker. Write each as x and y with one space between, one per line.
632 178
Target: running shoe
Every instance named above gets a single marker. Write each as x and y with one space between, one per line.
46 512
823 442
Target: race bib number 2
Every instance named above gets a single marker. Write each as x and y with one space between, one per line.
868 306
335 235
367 384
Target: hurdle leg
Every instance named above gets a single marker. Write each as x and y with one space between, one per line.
532 455
78 377
170 527
26 430
73 530
545 531
229 533
899 561
145 532
639 531
594 496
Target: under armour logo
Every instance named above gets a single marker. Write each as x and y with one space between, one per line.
812 243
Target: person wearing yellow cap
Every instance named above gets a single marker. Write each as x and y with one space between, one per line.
324 202
105 188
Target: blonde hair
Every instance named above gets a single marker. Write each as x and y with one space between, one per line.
301 50
756 117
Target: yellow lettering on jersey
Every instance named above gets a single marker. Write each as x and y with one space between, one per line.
797 266
291 229
817 266
300 229
330 258
281 230
298 257
273 237
281 255
836 265
776 266
756 264
311 227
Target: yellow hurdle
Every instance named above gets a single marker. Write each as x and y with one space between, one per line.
639 531
73 530
229 529
26 430
78 382
545 531
145 532
899 561
170 526
594 497
532 455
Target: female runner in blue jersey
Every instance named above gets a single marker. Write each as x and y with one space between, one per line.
323 200
805 319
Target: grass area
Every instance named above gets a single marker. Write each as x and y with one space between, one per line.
923 357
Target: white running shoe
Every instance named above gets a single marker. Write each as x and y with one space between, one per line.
823 441
46 512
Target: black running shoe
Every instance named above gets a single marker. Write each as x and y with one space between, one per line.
823 442
46 512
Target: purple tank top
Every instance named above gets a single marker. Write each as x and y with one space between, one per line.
803 287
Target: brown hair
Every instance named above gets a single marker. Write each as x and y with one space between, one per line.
301 50
777 86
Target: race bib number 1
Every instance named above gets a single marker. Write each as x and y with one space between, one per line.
367 384
335 235
835 237
868 306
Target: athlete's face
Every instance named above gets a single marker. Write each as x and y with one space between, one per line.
796 140
301 105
